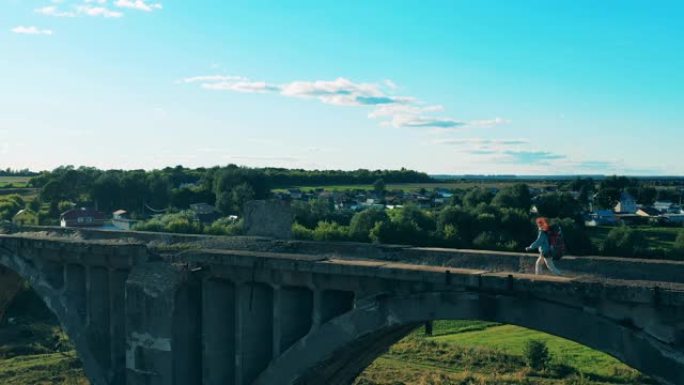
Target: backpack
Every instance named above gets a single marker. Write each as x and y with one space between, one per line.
556 242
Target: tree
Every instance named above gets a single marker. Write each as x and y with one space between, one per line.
607 197
558 205
455 223
624 242
646 195
476 196
577 240
515 197
379 186
537 355
678 249
363 222
240 195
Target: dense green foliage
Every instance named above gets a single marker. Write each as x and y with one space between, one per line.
483 220
9 205
537 355
623 241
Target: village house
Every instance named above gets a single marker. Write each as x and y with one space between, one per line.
82 217
25 217
205 212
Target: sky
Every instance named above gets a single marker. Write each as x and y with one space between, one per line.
445 87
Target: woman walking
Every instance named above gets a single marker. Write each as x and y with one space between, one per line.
542 244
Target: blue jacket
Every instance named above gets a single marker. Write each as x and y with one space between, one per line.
542 243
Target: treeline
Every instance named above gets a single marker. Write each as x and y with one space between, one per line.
23 172
140 192
477 219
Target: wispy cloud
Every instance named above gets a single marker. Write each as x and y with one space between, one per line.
31 31
105 12
95 8
481 142
502 150
139 5
488 122
393 110
52 10
529 157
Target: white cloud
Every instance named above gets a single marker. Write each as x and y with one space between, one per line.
394 110
241 86
488 122
481 142
89 10
140 5
52 10
31 31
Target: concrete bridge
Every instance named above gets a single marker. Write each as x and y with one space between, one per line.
159 309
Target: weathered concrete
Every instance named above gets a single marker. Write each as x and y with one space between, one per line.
268 219
265 312
10 286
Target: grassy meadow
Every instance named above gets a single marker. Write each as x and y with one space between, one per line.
480 353
14 181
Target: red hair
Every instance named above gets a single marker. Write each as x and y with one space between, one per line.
543 223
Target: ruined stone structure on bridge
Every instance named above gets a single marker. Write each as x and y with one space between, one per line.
159 309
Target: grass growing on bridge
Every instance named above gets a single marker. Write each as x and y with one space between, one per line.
42 369
482 353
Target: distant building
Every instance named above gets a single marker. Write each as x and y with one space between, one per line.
663 207
82 217
25 217
626 205
122 221
602 218
205 212
649 212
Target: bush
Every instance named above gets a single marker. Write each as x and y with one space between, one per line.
302 232
624 242
363 222
678 249
330 231
537 355
181 222
225 226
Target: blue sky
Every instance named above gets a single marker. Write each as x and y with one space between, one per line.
525 87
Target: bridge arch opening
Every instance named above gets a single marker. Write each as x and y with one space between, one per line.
343 348
482 352
34 348
66 290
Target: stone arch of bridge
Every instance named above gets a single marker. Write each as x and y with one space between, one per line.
342 348
51 296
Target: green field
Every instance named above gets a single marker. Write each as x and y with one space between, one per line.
662 237
14 181
473 352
